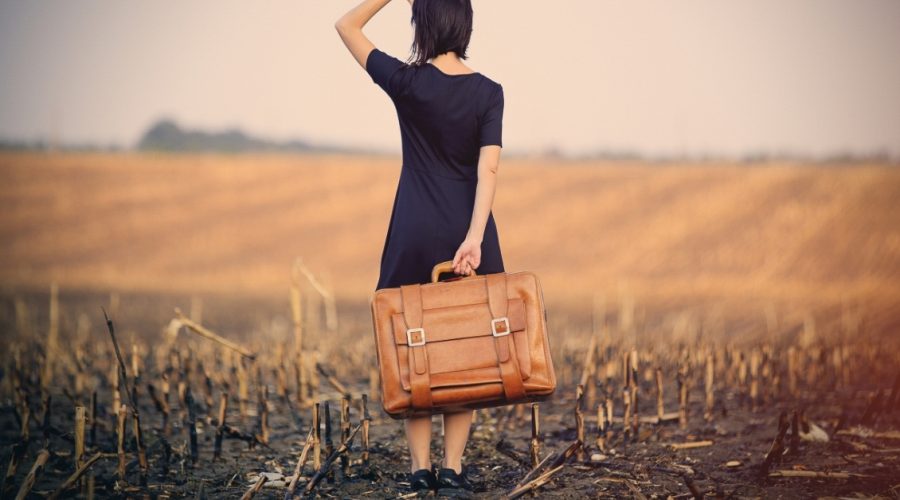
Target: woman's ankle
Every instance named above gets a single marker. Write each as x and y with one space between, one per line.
456 465
416 466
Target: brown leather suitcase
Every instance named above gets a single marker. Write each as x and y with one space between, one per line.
462 343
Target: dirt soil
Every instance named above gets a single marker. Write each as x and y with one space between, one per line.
646 467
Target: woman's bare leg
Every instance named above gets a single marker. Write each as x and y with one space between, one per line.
456 434
418 435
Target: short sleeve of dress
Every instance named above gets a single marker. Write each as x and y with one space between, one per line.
491 131
386 71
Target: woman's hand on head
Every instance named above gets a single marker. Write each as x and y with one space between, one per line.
468 257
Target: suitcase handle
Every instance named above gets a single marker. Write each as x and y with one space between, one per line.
445 267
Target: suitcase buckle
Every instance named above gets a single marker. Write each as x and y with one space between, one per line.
503 329
420 337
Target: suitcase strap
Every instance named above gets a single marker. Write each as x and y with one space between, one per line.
419 379
498 302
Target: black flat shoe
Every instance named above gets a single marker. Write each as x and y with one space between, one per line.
451 484
422 480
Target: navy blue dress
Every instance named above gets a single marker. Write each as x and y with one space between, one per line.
444 121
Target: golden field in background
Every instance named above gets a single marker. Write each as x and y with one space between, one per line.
670 233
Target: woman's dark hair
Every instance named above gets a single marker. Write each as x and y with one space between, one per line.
440 26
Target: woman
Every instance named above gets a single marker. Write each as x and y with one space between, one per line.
450 125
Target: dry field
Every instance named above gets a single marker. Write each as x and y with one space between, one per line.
234 224
763 290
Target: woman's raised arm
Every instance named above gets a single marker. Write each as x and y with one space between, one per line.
350 25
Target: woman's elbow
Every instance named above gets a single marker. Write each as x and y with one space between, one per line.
346 28
488 169
343 24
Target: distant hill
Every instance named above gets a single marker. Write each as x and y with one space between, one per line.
166 135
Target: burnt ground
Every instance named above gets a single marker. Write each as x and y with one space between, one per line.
649 466
645 467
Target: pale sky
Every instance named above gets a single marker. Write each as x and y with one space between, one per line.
654 77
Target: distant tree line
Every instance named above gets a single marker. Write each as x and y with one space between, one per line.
166 135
